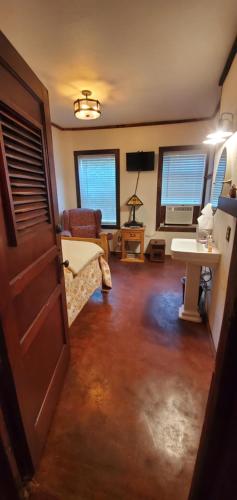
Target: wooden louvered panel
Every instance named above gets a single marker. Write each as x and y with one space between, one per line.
25 161
33 199
33 222
20 133
27 192
30 215
10 146
24 168
23 182
21 159
7 117
16 175
22 142
29 208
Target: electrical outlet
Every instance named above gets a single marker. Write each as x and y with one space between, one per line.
228 231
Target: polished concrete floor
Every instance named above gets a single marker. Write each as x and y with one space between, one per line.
128 423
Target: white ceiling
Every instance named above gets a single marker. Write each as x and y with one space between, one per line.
145 60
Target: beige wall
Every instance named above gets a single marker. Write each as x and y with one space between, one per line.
151 138
148 138
221 219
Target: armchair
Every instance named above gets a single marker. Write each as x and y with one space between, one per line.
82 223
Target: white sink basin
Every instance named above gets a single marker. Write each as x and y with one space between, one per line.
190 250
195 255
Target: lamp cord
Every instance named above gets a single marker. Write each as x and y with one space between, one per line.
138 175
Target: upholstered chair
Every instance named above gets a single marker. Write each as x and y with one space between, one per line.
82 222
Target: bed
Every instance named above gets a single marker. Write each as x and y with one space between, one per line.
87 270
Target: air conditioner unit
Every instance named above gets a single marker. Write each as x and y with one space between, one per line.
178 215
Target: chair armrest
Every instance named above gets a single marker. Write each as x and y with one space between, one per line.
66 233
109 236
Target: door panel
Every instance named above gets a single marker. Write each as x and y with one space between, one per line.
46 282
33 310
12 93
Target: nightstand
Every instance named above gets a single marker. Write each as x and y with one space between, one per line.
135 234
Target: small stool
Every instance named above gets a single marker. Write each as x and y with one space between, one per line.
157 250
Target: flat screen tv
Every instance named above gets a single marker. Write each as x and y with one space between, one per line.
142 161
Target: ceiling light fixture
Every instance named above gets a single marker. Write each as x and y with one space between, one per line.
223 131
86 108
214 140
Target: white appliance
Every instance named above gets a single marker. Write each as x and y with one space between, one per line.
178 214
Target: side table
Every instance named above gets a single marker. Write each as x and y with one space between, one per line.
135 234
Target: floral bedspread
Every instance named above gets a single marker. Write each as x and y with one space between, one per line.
79 288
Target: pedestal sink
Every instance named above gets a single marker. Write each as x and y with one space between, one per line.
195 255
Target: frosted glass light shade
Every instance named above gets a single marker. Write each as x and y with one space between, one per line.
87 109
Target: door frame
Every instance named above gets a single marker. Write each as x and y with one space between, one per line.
12 416
8 485
215 474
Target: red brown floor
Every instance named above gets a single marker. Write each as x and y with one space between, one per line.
129 420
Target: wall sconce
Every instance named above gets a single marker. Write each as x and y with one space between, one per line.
224 130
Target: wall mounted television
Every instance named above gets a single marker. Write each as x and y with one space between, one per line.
141 161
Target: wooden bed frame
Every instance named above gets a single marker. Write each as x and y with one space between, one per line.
102 241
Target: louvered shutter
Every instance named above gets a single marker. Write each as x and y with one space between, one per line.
218 183
183 178
97 179
23 161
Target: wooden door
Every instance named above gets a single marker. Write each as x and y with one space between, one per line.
214 475
32 302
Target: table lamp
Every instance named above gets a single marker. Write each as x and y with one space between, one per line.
134 202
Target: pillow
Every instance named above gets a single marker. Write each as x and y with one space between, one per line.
84 231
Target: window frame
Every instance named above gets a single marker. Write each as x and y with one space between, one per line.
91 152
160 210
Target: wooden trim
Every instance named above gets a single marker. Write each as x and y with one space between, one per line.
228 205
102 241
159 187
177 229
8 485
228 64
57 126
52 392
215 470
116 153
14 63
140 124
160 212
39 320
206 176
12 415
25 277
7 195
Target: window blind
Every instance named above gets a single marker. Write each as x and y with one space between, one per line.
97 177
217 185
183 177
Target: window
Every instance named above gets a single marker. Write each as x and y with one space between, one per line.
181 180
220 176
97 181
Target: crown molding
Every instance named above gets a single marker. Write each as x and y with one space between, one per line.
230 58
222 79
140 124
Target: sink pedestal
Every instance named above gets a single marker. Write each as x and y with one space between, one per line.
189 310
196 255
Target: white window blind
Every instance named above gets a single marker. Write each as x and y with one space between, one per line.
220 176
97 179
183 177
